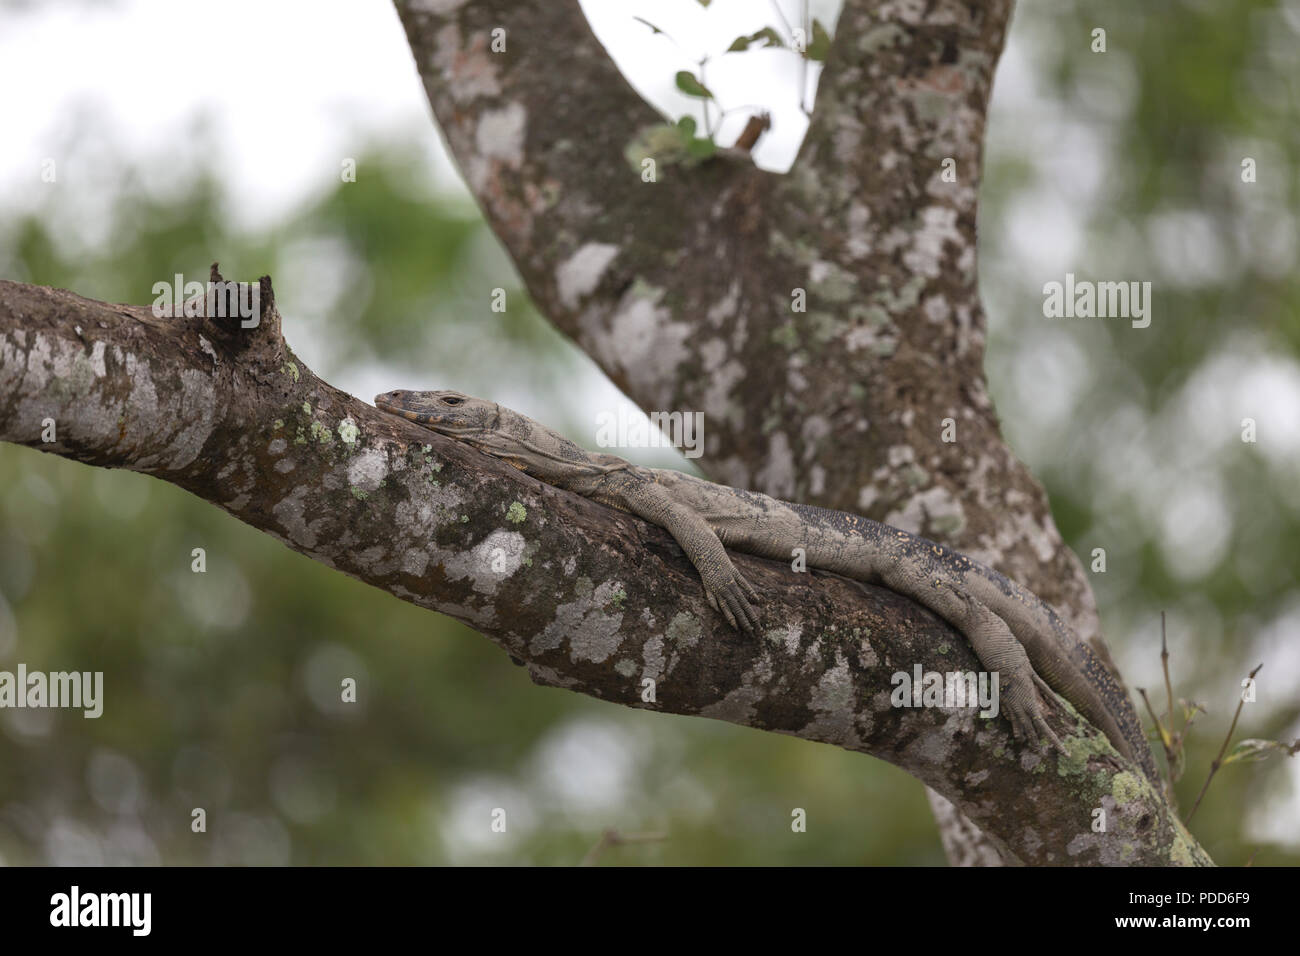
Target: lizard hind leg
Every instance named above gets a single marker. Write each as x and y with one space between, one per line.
1019 685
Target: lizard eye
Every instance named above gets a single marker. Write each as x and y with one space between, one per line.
451 401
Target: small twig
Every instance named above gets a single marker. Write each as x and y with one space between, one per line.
708 125
757 107
784 22
755 128
658 32
1166 743
1164 664
1190 715
1218 760
1155 719
612 837
1168 739
803 60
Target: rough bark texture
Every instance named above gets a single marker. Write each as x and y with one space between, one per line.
683 289
587 598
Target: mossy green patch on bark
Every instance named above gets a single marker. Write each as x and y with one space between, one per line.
1126 787
321 434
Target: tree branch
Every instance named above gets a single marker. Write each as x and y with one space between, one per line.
587 598
547 134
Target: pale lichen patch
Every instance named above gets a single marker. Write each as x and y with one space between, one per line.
549 676
739 705
291 513
415 561
935 510
367 469
725 307
97 359
776 477
592 634
652 653
788 637
436 7
642 340
490 562
938 226
684 630
834 699
578 275
500 134
470 72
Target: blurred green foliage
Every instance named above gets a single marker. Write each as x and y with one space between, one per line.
222 688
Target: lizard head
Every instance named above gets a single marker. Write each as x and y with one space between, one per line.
493 429
449 413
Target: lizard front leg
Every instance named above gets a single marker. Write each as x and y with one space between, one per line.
726 589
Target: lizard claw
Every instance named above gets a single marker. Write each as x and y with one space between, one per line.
1023 709
732 600
1050 696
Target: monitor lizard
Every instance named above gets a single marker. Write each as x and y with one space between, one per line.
1014 633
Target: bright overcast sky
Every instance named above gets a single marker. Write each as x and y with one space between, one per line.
294 85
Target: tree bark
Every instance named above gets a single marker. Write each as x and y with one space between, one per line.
587 598
685 289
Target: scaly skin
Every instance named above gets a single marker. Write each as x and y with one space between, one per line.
1014 633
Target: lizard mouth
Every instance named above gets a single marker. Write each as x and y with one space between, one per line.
386 404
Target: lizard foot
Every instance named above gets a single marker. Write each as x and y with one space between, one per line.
998 649
734 600
1021 704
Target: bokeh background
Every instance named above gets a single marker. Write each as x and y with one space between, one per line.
188 132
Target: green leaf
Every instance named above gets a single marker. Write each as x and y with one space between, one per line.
821 43
654 28
689 84
1251 750
699 148
704 3
764 37
687 125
